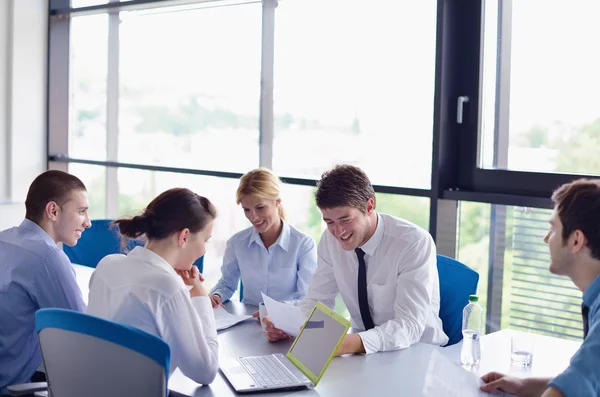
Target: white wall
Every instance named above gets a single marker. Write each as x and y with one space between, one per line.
23 49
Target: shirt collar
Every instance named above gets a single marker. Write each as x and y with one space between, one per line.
37 230
371 245
592 292
147 256
283 240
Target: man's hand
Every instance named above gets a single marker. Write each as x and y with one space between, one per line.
215 300
352 343
531 387
273 334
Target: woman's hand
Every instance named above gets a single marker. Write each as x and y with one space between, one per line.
190 277
193 278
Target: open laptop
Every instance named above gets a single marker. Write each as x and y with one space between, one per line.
303 365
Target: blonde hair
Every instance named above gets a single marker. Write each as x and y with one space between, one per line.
262 183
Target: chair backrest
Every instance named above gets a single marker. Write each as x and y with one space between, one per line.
100 240
457 282
88 356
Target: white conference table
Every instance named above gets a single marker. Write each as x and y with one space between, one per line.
398 373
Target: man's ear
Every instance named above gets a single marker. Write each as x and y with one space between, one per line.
577 241
51 210
370 205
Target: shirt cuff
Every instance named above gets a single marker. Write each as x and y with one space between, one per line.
205 311
371 340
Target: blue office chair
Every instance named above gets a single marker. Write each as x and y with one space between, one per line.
100 240
457 282
88 356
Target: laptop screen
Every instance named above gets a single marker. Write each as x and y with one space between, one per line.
317 342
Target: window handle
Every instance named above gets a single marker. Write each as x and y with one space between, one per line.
460 104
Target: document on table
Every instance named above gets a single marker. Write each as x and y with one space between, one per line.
446 379
285 316
224 319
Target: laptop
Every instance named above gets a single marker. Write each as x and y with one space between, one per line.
303 365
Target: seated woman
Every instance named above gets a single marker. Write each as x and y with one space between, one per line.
271 256
147 288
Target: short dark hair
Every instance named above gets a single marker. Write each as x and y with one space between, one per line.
171 211
344 185
53 185
578 207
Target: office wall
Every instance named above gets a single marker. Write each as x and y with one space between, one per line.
23 49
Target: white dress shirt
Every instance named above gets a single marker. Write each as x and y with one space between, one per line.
283 271
402 285
142 290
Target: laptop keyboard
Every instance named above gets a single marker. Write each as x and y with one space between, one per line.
268 371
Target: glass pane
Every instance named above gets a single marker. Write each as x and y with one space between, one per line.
94 178
531 297
413 209
550 117
368 81
474 243
88 69
190 88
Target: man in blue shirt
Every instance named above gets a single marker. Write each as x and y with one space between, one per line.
35 273
574 244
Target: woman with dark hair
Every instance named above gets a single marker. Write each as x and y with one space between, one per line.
149 288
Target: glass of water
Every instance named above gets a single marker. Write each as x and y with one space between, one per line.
521 349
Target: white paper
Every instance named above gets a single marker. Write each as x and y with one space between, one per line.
224 319
285 316
446 379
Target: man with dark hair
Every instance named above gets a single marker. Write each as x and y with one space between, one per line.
383 267
35 273
574 244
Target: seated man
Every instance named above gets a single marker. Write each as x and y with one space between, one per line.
35 273
383 267
574 244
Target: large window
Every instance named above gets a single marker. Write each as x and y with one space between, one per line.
540 86
466 115
355 87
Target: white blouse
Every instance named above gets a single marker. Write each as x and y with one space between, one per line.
142 290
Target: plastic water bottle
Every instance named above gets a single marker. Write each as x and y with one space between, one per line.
472 327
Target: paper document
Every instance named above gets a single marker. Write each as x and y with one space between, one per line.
447 379
224 319
285 316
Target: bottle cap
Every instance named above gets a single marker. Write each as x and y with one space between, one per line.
473 298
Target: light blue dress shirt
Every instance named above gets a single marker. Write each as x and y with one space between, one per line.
283 271
582 377
34 274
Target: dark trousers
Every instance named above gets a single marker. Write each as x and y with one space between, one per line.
37 377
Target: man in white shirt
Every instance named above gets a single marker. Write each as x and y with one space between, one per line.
383 267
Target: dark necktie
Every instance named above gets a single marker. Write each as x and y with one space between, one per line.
363 301
584 313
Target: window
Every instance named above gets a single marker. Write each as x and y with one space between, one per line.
190 87
525 294
88 69
355 89
540 86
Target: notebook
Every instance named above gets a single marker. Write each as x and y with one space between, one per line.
303 365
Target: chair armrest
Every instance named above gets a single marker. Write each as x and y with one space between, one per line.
26 388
